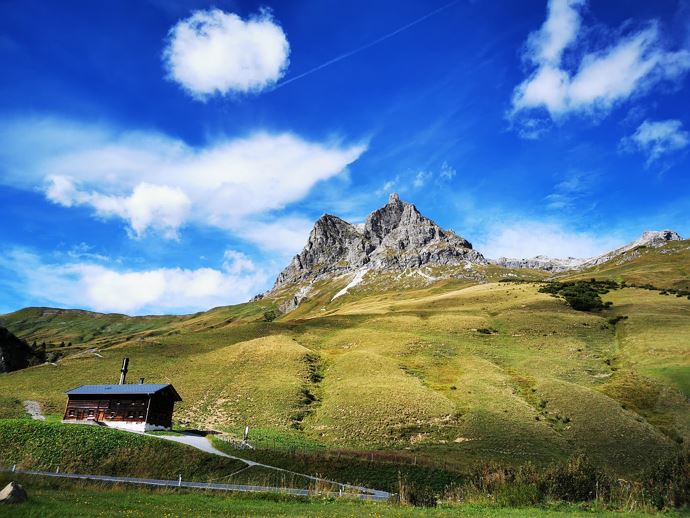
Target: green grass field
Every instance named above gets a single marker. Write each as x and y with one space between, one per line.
52 498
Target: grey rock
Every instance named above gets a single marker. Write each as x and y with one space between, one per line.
652 239
541 262
393 238
13 493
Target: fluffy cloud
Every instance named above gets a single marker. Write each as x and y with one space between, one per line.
631 64
213 52
154 182
531 238
158 207
160 290
657 138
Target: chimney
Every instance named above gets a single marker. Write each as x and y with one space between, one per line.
123 371
141 381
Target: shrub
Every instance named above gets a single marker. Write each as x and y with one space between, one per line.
576 481
613 321
581 295
270 315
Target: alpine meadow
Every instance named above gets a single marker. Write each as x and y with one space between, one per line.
345 259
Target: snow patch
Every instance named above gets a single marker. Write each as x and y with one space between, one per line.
357 279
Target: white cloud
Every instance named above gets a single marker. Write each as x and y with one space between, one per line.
447 172
410 180
159 290
155 182
213 52
572 189
421 178
156 207
657 138
531 238
603 78
285 234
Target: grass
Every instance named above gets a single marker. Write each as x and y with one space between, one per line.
54 498
95 450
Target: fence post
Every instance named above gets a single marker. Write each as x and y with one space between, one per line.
179 480
57 470
14 468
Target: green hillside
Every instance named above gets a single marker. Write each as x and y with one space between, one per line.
451 372
665 267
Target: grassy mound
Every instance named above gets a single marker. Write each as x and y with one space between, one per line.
95 450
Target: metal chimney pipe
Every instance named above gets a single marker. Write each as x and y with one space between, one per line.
123 371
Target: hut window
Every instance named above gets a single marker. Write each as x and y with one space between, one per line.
90 413
141 415
112 415
71 412
130 415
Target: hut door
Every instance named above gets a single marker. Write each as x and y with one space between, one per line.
101 415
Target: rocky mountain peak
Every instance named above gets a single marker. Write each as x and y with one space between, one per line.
395 237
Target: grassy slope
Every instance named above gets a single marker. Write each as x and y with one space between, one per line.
95 450
406 369
665 267
91 449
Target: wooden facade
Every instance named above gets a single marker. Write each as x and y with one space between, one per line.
137 407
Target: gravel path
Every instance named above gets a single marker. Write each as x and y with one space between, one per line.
33 408
202 443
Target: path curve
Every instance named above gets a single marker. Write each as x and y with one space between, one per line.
200 442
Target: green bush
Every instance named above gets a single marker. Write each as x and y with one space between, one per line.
581 295
270 315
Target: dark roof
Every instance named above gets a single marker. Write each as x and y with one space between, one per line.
121 390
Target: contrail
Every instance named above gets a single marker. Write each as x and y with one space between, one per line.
365 46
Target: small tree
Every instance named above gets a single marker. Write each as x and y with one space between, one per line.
270 315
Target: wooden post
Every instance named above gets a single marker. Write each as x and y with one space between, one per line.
179 480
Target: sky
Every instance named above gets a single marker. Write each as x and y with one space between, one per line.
169 156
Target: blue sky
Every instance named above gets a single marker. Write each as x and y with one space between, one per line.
170 156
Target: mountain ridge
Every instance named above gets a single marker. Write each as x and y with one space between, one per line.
397 238
649 238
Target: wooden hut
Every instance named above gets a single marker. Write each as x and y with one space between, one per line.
137 407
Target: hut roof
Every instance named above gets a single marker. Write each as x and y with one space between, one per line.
122 390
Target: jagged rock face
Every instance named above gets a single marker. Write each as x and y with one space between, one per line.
541 262
334 245
394 237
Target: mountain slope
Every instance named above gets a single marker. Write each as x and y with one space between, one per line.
666 266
